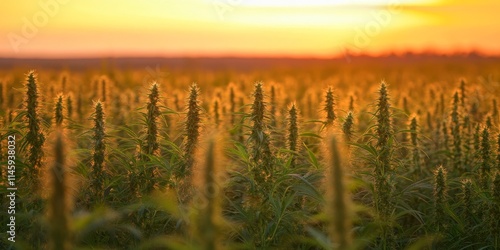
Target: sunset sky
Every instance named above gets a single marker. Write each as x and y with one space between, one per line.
296 28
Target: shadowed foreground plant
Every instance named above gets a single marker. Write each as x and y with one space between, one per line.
207 226
60 233
338 205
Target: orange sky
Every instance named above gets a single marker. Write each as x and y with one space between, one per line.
319 28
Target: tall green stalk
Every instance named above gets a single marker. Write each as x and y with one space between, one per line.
69 106
293 133
232 105
347 127
329 107
152 146
97 172
456 133
468 203
383 171
440 197
261 147
34 137
192 130
414 142
58 111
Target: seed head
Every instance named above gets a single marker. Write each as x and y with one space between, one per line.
440 196
99 153
232 104
467 200
34 137
216 112
351 103
463 93
455 131
153 112
152 146
384 128
192 128
329 106
58 110
69 106
261 151
347 127
293 132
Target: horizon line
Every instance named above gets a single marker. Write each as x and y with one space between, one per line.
404 54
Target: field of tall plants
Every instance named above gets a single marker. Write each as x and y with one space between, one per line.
298 159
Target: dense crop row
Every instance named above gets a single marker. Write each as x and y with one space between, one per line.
253 166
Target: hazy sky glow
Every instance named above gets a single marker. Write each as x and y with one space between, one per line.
320 28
